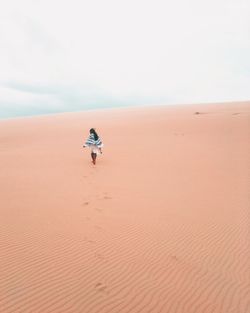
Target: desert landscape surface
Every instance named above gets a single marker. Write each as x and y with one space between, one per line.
160 224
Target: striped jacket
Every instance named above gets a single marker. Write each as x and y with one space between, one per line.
91 141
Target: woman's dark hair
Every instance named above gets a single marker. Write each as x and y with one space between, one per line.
92 131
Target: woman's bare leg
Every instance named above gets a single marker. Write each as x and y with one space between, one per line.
93 155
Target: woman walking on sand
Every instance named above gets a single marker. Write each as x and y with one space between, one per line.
94 143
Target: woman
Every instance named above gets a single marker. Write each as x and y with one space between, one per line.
94 143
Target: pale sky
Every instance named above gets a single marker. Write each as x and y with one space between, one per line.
61 55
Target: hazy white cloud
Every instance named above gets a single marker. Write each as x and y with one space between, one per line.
69 55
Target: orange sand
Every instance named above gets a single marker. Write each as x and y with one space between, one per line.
160 224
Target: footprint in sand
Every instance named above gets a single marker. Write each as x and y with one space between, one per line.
86 239
99 255
101 287
176 134
173 257
98 210
198 113
91 241
107 197
98 227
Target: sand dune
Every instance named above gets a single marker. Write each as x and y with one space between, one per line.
160 223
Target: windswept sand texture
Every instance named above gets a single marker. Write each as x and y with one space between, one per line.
160 224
